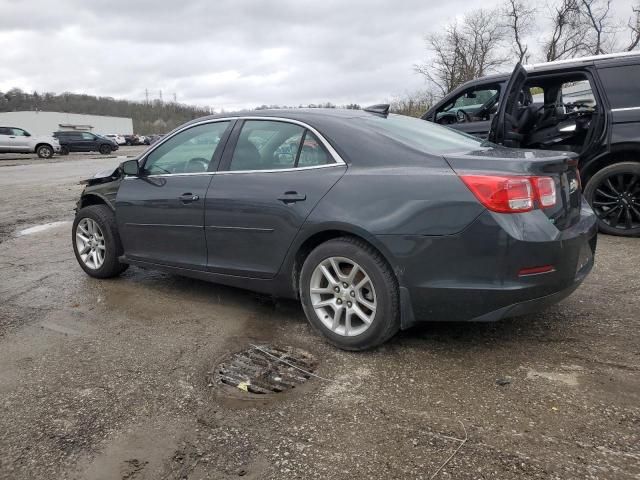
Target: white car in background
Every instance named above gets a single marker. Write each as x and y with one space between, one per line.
119 139
18 140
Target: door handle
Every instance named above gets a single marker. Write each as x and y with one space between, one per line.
188 198
292 197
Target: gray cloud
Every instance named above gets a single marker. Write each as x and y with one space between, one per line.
224 53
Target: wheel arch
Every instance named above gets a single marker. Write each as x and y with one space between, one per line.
43 144
94 199
305 245
627 153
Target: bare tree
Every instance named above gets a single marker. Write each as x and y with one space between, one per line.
519 20
568 35
634 27
413 104
464 52
595 18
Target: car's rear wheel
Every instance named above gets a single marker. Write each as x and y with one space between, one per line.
96 242
614 194
44 151
64 150
105 149
350 294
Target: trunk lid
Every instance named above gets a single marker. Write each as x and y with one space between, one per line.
561 166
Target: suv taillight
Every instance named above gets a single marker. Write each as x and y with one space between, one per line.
512 194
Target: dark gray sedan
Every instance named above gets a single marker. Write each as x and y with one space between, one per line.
374 221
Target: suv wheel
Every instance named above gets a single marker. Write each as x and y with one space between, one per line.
44 151
105 149
96 242
64 150
614 194
350 294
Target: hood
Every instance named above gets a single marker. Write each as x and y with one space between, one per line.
103 176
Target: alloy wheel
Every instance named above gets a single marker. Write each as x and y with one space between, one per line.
343 296
616 201
90 243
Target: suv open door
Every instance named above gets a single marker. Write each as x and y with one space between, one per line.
504 128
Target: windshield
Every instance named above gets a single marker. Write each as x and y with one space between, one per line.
425 136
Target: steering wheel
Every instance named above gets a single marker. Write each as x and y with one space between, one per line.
462 116
196 165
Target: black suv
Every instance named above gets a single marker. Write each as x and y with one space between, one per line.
587 105
84 142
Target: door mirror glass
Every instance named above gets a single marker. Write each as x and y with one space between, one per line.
130 167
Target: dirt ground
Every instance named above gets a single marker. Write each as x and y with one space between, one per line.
109 379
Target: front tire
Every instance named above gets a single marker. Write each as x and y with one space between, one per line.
350 294
44 151
614 195
105 149
96 242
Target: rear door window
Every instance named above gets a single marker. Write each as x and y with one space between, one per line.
621 85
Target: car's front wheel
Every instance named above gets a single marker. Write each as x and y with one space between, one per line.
96 242
44 151
105 149
350 294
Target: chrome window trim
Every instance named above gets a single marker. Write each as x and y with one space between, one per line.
227 172
627 109
335 155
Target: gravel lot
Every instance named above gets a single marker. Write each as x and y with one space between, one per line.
109 379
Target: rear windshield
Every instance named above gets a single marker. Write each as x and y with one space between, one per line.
425 136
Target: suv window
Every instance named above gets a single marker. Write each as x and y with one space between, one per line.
470 103
5 131
190 151
622 85
18 132
88 136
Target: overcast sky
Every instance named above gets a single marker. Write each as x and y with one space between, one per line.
225 53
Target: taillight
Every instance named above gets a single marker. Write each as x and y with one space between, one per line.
511 194
545 191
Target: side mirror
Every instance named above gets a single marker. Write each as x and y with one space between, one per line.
130 167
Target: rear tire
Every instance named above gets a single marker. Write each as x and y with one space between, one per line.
44 151
107 234
64 150
105 149
614 194
380 293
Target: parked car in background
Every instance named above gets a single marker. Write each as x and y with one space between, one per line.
85 142
374 221
154 138
18 140
589 105
118 139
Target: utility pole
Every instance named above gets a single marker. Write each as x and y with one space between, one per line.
175 98
146 96
160 96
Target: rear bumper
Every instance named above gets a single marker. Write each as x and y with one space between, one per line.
474 275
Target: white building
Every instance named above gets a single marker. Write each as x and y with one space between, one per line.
45 123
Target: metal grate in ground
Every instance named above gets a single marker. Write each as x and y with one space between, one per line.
266 369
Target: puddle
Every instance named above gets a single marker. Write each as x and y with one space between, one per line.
41 228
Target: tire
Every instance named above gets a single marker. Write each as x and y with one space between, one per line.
105 149
105 219
384 321
64 150
44 151
614 194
